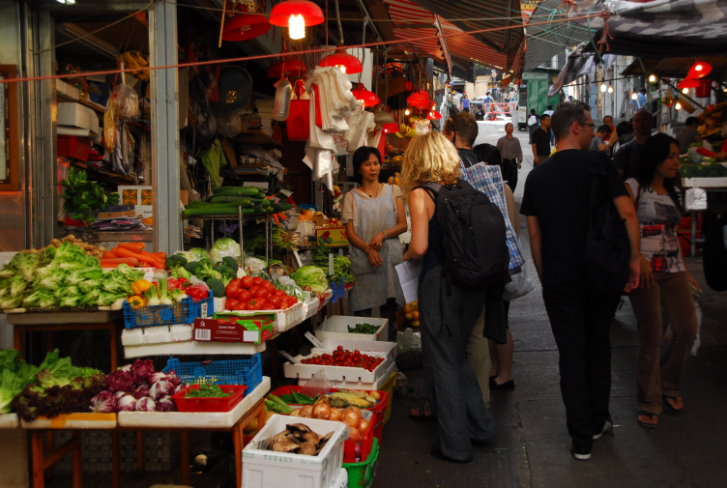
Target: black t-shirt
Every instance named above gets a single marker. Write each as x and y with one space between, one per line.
558 193
627 158
541 139
469 158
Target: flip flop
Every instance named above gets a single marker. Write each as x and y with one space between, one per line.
425 413
652 416
669 407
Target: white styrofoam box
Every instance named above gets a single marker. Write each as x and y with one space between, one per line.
9 421
219 304
68 90
76 115
389 348
270 469
336 327
358 385
284 319
310 307
720 182
157 335
74 421
341 480
132 337
192 348
197 420
181 332
336 373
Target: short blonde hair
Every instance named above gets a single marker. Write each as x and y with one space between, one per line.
429 158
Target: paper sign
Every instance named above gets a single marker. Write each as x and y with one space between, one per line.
313 340
409 278
289 357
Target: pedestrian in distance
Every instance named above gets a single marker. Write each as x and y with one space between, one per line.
447 319
540 140
557 202
628 155
465 103
512 156
549 112
532 123
689 135
598 143
664 284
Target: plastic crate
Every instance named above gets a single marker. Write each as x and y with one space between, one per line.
179 313
73 147
361 475
389 389
246 372
209 404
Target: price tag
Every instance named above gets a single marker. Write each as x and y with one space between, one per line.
289 357
314 340
203 310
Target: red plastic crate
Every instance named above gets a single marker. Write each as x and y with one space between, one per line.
73 147
209 404
376 428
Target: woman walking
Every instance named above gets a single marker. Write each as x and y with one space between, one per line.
374 217
447 315
665 282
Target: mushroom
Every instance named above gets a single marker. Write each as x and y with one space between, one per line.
284 444
312 437
308 449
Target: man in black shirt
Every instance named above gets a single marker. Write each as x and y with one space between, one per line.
556 203
541 140
465 131
627 157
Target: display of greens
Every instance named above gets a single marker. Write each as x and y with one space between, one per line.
311 278
295 398
84 198
341 264
253 238
207 391
363 329
215 275
64 276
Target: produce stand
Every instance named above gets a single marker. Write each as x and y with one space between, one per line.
710 185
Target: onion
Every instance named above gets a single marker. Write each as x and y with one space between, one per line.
306 412
375 395
296 412
352 416
336 414
363 426
354 434
322 411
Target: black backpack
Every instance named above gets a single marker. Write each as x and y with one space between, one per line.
473 235
608 249
715 256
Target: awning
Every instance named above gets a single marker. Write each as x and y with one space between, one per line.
677 67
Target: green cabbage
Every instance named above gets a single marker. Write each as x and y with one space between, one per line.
225 247
198 253
312 276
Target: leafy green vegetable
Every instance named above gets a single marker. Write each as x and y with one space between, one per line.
225 247
341 264
312 276
84 198
218 289
363 329
207 391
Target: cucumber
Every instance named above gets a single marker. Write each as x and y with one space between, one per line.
244 203
269 210
242 191
228 199
215 211
282 207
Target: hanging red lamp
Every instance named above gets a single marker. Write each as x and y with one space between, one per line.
368 98
419 99
434 115
688 83
700 69
347 63
245 26
296 15
293 67
391 127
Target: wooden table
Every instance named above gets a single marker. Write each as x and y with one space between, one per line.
41 461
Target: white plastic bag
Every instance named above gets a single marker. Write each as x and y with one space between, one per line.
127 102
520 285
696 199
317 386
283 94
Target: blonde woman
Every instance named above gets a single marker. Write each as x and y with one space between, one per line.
447 319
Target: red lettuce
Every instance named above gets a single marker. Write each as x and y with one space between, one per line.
104 402
120 381
126 403
145 405
160 389
141 392
141 370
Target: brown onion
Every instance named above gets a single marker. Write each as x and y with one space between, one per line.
306 412
296 412
336 414
354 434
322 411
363 426
352 416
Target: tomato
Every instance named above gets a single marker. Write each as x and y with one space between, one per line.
279 293
233 288
265 305
257 281
244 295
261 293
240 306
275 300
284 304
246 281
265 284
253 289
254 304
231 303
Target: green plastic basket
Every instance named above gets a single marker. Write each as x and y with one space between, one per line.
361 475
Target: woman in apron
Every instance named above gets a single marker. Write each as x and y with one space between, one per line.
374 217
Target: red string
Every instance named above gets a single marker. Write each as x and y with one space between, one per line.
605 35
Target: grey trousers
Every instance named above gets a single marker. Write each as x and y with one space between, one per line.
452 388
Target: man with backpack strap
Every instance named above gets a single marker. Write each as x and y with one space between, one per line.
560 214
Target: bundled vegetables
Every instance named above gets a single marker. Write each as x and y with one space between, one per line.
254 238
341 264
83 198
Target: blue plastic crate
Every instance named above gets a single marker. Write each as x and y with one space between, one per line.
179 313
248 372
339 290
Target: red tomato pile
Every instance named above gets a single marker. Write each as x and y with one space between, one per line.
342 357
250 293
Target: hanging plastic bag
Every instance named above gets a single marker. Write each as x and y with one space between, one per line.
229 126
283 93
127 102
317 386
696 199
109 126
410 349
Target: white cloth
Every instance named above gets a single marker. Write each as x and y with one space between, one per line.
360 123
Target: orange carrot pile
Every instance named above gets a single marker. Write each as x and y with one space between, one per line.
133 254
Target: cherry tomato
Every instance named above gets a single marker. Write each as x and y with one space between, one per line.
240 306
247 281
261 293
257 281
233 288
244 295
231 303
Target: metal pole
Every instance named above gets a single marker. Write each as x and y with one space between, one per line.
239 223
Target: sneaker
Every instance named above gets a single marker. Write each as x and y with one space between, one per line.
606 427
581 454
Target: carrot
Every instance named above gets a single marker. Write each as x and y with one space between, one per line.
113 262
160 255
277 220
127 253
133 246
109 255
154 257
114 249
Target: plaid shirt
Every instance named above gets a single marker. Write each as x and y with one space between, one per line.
488 180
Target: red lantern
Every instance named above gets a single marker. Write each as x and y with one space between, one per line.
245 26
391 127
293 67
688 83
419 99
434 115
350 65
282 12
704 88
700 69
368 98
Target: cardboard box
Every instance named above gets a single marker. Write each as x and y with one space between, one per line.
253 329
320 220
332 236
142 198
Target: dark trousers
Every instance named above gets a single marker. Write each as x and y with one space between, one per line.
388 311
581 320
510 172
451 385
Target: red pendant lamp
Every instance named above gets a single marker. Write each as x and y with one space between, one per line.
419 99
349 64
700 69
434 115
368 98
688 83
296 15
245 26
391 127
293 67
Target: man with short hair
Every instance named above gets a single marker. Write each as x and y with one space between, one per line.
557 203
641 98
541 140
689 135
598 144
627 157
549 112
512 156
465 131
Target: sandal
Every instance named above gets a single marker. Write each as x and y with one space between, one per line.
671 408
423 412
652 416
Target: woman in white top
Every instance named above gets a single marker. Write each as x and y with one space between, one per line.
665 282
374 217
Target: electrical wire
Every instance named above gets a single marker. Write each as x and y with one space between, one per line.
269 56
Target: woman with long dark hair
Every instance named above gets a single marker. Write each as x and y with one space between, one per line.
665 282
374 217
